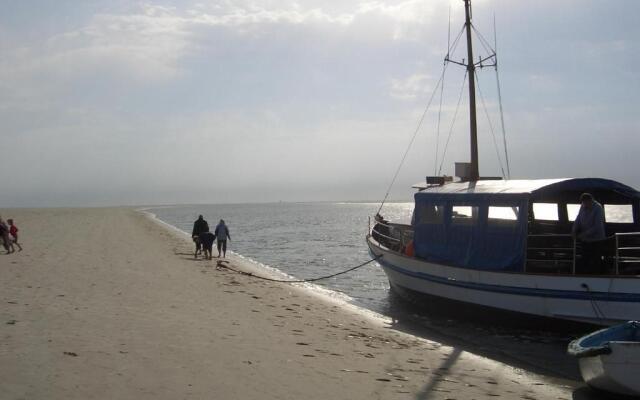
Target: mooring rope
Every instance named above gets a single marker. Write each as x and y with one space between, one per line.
222 264
594 305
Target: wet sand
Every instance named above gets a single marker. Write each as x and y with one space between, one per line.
108 303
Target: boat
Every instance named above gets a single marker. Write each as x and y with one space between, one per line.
610 358
505 244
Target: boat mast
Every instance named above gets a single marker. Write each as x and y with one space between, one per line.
474 174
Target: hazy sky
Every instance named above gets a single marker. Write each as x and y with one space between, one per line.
119 102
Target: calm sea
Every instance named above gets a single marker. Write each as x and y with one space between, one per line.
307 240
304 240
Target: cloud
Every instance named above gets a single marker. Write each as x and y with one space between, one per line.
411 87
145 99
145 46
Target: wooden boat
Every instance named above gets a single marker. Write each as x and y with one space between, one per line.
610 358
505 244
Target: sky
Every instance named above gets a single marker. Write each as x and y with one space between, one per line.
164 102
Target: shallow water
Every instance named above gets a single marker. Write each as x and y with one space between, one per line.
304 240
307 240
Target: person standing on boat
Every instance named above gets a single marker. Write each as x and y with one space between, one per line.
222 233
588 229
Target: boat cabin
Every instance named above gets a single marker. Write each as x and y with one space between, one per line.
519 225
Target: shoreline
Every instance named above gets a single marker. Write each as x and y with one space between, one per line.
411 329
343 301
248 264
107 303
408 321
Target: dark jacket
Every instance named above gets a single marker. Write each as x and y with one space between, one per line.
200 226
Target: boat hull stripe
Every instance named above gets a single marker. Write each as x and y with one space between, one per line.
520 291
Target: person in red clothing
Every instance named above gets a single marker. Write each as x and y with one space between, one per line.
7 243
13 231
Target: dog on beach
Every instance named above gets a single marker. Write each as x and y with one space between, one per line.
206 240
196 240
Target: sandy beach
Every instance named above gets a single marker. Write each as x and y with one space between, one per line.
110 304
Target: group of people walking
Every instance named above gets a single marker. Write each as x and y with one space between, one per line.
204 239
9 236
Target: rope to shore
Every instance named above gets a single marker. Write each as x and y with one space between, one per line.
222 264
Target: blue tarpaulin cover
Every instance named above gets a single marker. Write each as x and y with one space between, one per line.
477 242
480 242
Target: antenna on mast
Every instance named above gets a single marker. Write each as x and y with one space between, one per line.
504 132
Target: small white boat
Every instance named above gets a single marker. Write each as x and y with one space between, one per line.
610 358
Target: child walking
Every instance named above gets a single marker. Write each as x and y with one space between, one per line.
4 235
13 231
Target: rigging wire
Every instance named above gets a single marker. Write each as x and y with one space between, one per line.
454 45
435 164
440 81
455 114
485 44
493 135
413 138
504 132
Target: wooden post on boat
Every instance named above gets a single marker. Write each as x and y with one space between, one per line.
474 174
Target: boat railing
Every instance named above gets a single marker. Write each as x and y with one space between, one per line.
551 251
561 253
627 252
393 236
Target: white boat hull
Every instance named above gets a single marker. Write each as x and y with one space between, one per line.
616 372
594 300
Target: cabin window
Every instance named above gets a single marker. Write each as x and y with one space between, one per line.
464 215
572 211
432 214
545 211
618 213
504 213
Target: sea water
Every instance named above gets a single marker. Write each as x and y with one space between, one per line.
304 240
307 240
